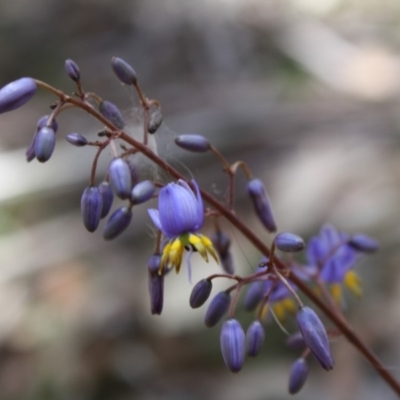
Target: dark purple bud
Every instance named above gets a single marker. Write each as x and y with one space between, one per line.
155 121
156 284
42 122
253 296
217 308
315 336
193 142
261 203
30 151
363 243
296 341
289 242
45 142
108 196
227 263
133 169
298 375
72 70
124 72
255 336
221 243
91 205
233 344
200 293
76 139
15 94
111 113
142 192
118 221
120 177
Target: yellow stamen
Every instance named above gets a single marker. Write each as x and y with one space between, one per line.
279 310
290 305
353 282
336 292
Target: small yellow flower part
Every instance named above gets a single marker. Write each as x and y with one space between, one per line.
290 305
353 283
264 312
279 310
336 292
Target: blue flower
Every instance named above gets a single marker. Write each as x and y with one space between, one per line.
179 217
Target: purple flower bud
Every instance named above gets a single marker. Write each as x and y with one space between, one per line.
217 308
298 375
118 221
289 242
253 296
45 142
15 94
91 205
255 336
227 263
221 243
296 341
42 122
133 169
120 177
108 197
142 192
200 293
232 341
76 139
261 203
124 72
111 113
315 336
72 70
156 284
30 151
193 142
363 243
155 121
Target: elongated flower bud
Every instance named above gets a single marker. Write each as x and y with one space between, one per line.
91 205
123 71
193 142
296 341
133 169
107 196
232 341
155 121
76 139
289 242
261 203
315 336
156 284
221 243
255 336
200 293
298 375
111 112
15 94
363 243
30 151
254 295
45 142
217 308
118 221
120 177
72 70
142 192
227 263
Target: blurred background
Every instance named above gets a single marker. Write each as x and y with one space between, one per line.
305 91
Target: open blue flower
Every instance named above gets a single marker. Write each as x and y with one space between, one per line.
179 217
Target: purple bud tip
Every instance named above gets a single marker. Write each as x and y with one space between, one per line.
118 221
193 142
42 122
232 341
76 139
298 375
124 72
296 341
261 203
142 192
227 263
91 205
253 296
217 308
111 112
45 142
156 285
363 243
72 70
289 242
221 243
255 336
200 293
315 336
120 177
107 196
16 94
153 265
155 121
